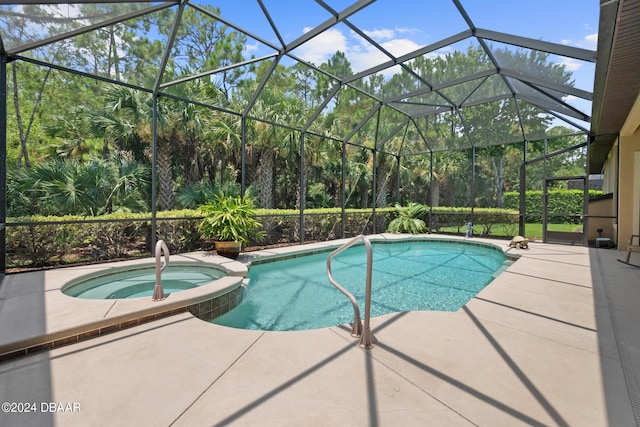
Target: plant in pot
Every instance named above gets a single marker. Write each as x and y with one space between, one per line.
230 222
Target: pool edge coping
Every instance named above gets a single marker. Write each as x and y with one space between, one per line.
236 272
99 317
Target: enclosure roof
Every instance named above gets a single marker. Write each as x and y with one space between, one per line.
515 44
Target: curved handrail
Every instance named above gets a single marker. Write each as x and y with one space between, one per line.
357 330
158 292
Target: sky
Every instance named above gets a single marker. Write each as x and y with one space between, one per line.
402 26
405 25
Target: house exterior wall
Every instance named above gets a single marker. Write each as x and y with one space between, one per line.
610 177
598 209
629 178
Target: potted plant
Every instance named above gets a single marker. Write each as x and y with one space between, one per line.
229 220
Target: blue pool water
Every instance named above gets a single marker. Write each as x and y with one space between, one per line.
295 294
139 282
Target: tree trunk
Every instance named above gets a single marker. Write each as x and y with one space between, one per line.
165 177
23 140
267 178
337 193
297 232
498 170
105 149
363 191
24 134
435 194
381 197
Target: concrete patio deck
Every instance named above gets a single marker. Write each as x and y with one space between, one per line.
551 341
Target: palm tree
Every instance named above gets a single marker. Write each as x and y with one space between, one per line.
130 187
72 130
124 122
222 144
127 120
265 137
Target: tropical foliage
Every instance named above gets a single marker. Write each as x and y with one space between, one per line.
73 187
230 219
85 147
409 219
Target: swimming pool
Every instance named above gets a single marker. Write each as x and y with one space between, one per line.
139 281
295 294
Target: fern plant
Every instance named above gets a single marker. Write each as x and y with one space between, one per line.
408 219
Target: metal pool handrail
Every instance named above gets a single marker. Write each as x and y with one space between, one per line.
366 339
158 292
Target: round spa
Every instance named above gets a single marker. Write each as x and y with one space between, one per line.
139 280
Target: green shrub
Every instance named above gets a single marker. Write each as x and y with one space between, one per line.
41 244
55 239
560 201
409 219
180 230
230 219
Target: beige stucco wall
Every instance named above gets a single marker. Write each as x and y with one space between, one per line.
610 177
600 208
629 178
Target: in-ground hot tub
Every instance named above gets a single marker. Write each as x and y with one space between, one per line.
139 280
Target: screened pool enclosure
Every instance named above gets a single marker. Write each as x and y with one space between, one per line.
455 104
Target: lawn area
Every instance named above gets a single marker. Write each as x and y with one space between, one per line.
532 230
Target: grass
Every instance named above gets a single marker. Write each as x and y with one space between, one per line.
535 230
532 230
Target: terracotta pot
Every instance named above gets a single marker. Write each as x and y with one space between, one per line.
229 249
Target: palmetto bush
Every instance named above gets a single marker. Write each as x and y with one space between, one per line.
72 187
409 219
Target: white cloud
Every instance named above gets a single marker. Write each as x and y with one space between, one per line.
384 34
63 10
408 30
323 46
37 28
360 54
579 104
590 41
571 64
363 55
399 47
440 53
248 48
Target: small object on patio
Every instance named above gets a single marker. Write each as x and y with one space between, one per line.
604 242
632 248
519 242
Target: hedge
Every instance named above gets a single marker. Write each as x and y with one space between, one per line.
37 242
487 219
560 201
